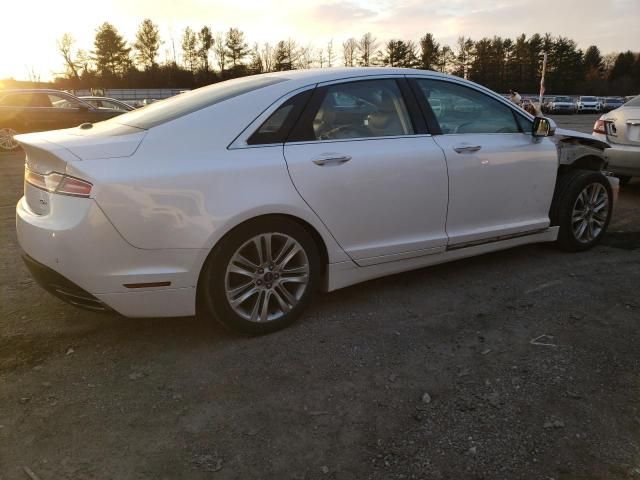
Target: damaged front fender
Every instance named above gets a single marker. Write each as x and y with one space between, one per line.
573 146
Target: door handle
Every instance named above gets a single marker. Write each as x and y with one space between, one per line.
331 159
467 148
633 123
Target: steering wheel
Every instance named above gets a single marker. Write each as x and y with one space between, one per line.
456 130
351 131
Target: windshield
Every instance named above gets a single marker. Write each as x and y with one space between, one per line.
563 99
189 102
588 99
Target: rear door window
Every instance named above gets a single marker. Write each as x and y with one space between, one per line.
351 110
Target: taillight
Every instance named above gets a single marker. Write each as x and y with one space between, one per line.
599 127
55 182
604 127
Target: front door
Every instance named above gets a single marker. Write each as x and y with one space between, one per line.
501 178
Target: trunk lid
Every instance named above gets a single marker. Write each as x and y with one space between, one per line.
101 140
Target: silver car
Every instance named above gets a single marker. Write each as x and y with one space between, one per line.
621 129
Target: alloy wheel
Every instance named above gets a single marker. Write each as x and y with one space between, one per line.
590 212
7 142
266 277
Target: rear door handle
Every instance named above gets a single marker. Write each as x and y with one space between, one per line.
331 159
467 148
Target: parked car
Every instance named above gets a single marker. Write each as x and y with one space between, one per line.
105 102
561 104
587 104
242 198
34 110
621 129
611 103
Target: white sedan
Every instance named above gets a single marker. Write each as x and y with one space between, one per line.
240 199
621 129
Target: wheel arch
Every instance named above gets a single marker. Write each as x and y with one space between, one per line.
588 161
318 239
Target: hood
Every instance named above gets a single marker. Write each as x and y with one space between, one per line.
102 140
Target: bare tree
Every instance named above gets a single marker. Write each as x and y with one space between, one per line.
366 47
65 47
349 50
220 51
32 74
330 54
321 57
267 57
305 57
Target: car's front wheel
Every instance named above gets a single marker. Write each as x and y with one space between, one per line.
581 208
7 142
261 276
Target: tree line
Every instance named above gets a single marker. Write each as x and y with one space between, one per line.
203 57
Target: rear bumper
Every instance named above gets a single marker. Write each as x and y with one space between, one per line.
623 160
62 287
75 253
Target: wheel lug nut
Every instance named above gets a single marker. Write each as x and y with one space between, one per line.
261 270
259 282
268 285
277 276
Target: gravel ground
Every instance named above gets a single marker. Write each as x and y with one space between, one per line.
340 395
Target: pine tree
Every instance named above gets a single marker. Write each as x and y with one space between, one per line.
429 53
205 43
189 51
236 47
147 44
111 54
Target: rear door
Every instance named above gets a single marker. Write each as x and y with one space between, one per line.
357 160
501 179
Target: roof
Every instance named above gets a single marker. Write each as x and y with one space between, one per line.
32 90
328 74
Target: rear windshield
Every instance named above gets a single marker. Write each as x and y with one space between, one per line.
189 102
634 102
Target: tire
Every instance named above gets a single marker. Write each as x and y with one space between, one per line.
236 282
624 179
581 207
7 143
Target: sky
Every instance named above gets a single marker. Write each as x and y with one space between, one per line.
29 39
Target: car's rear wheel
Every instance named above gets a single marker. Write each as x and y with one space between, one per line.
581 208
261 277
7 142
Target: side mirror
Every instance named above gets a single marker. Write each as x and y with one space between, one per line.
543 127
83 108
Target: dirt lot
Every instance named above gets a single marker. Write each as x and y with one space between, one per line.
339 395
